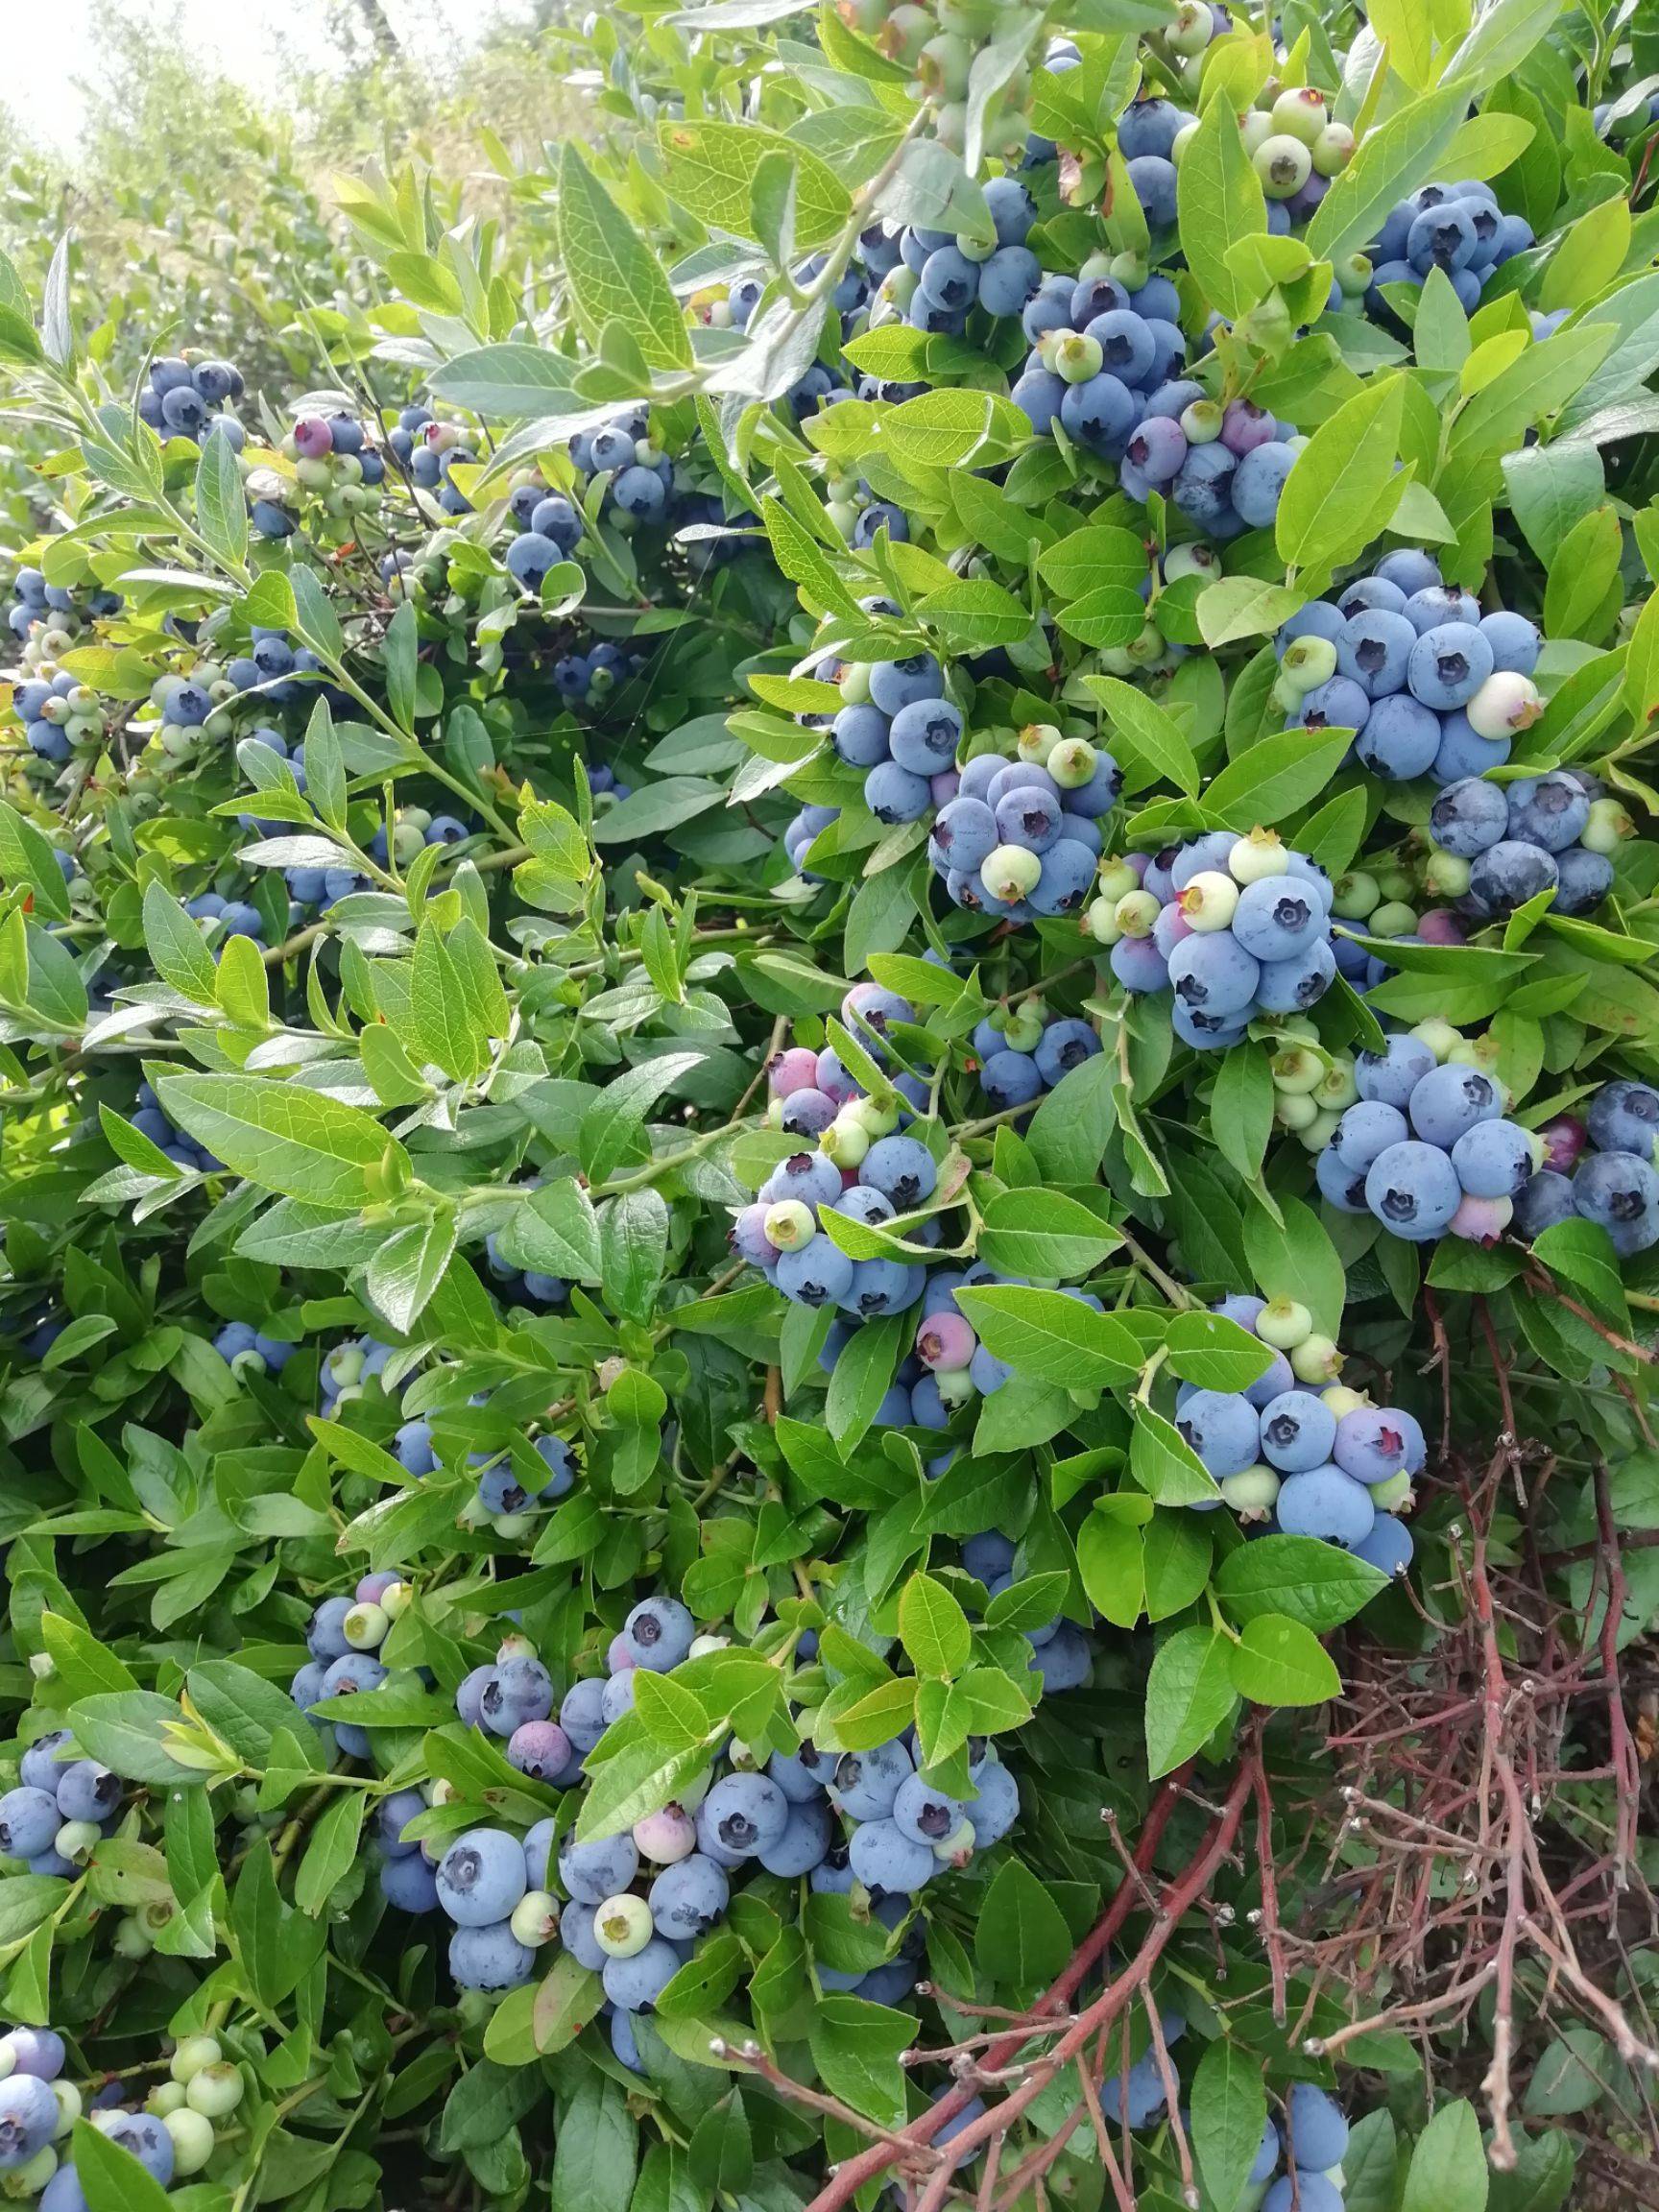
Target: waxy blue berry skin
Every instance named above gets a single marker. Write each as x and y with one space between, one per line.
481 1877
1413 1190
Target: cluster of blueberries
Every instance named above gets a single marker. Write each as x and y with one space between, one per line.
1495 848
1426 1149
1458 229
332 460
812 1096
60 1809
188 395
864 1166
634 1904
501 1499
1600 1168
1429 684
173 2135
1234 926
428 451
1023 1050
248 1351
342 1637
48 615
1019 837
896 727
57 713
1299 1452
1308 2146
587 676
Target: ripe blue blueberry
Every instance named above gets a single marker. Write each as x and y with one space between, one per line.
659 1633
743 1814
1469 817
1448 666
866 1782
594 1871
1494 1159
688 1898
902 1170
1413 1190
1392 1075
490 1958
1319 2129
481 1877
886 1860
1222 1427
1550 810
636 1983
1297 1432
1621 1193
1622 1116
1401 738
1327 1503
1213 974
1374 1443
1452 1099
409 1883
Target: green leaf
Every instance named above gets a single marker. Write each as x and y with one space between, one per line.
1043 1233
1215 1352
933 1627
1276 1661
710 167
1144 738
1229 2112
123 1729
281 1136
1448 2171
1271 779
862 1378
1188 1695
855 2047
221 503
1111 1561
1219 201
1021 1940
1316 1584
332 1851
1343 486
1294 1257
1241 1110
596 2147
1054 1338
612 274
111 2178
176 946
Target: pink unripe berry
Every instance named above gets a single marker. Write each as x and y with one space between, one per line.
312 438
787 1072
944 1340
618 1657
1481 1221
668 1836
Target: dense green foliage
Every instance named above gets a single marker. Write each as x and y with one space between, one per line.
610 1215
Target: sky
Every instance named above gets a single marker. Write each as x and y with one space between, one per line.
49 47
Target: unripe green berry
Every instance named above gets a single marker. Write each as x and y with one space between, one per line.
534 1919
216 2091
1072 762
1259 855
1337 1090
1284 1323
192 2055
193 2139
1392 919
1117 879
1355 896
845 1141
1315 1359
1333 151
166 2097
1301 115
1012 873
365 1627
622 1926
1283 165
1608 825
1136 913
1036 741
1252 1493
1308 662
1296 1069
1208 901
789 1224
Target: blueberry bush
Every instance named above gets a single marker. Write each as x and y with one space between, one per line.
830 1092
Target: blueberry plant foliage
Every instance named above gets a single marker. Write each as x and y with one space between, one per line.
830 1088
